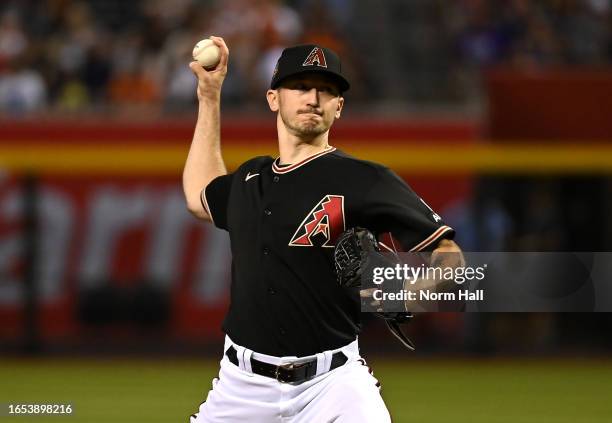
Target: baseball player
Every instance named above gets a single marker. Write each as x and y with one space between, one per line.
291 351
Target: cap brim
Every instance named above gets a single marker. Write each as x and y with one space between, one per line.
343 84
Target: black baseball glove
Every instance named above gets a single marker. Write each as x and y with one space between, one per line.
351 255
357 251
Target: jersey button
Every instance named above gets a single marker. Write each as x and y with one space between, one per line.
271 291
276 179
267 212
265 250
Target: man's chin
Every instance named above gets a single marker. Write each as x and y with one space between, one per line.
310 130
307 128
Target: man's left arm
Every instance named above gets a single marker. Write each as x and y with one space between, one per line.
391 206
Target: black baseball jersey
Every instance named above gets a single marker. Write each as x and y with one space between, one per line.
283 221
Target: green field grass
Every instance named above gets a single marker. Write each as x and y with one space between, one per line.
469 391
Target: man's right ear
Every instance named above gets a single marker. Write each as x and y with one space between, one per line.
272 97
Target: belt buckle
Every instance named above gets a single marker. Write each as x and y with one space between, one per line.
283 377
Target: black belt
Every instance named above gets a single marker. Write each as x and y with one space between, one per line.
287 373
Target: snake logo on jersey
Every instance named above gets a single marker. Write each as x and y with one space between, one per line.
322 225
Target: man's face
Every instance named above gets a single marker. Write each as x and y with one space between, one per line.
307 104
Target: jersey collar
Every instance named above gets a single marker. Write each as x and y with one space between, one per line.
286 169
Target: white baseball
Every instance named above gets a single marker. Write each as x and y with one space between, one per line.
206 53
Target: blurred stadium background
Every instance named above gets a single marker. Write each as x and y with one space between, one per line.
111 295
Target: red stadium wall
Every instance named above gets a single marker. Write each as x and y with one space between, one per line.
554 105
111 212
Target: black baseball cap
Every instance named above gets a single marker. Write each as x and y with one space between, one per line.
308 58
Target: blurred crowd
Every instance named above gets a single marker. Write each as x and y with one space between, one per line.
74 56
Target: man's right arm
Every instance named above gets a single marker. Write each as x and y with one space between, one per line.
204 161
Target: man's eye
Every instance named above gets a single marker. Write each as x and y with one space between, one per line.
300 87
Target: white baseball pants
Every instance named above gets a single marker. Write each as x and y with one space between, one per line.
347 394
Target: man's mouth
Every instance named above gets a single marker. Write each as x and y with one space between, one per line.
309 112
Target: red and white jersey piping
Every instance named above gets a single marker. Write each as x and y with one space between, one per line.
205 205
286 169
431 238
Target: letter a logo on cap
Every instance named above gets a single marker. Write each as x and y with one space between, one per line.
316 56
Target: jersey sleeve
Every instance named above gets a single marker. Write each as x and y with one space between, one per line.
392 206
215 198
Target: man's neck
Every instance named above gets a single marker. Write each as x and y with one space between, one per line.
291 153
294 149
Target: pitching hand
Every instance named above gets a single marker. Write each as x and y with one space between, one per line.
210 81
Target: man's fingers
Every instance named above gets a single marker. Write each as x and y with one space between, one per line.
220 42
200 72
197 69
367 293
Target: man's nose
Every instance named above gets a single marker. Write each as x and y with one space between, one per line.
313 97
